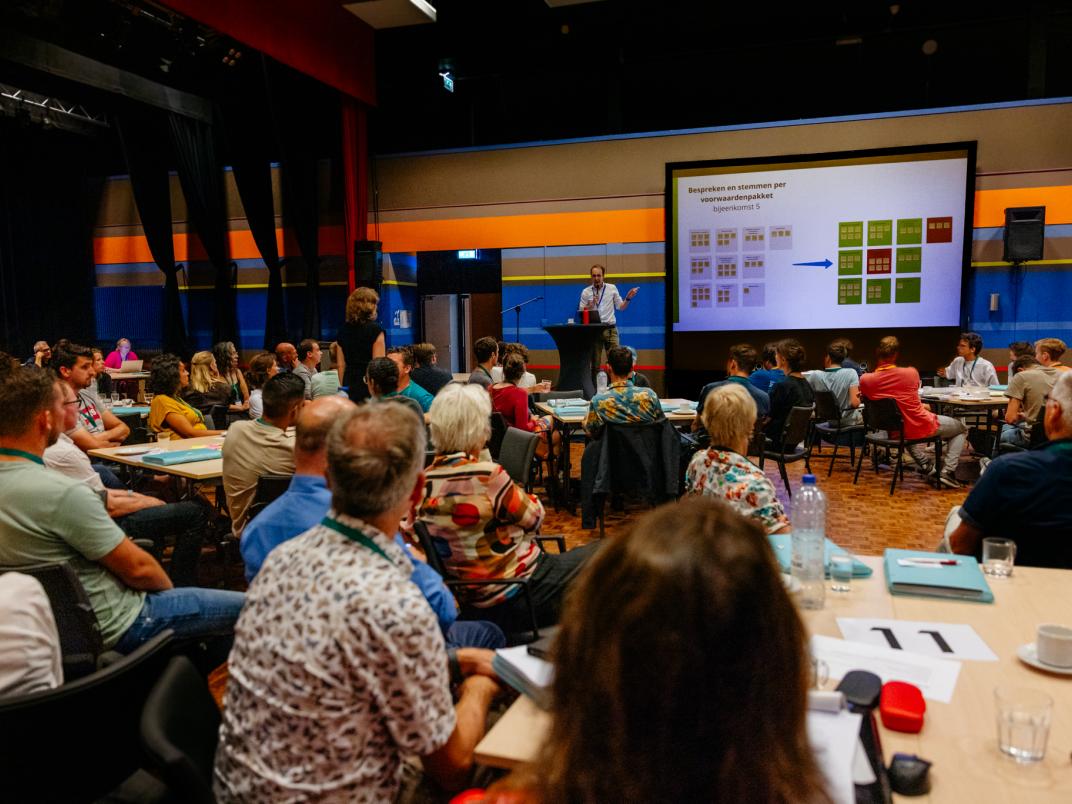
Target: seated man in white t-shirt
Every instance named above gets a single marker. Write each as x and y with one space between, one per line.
30 658
967 367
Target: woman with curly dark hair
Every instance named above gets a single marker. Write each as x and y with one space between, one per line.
681 673
168 412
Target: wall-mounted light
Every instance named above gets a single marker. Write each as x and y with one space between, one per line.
995 302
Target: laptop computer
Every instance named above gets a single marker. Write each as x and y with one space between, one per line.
593 317
132 365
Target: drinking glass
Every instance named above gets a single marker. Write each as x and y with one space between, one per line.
115 399
840 572
998 557
1024 717
149 397
163 439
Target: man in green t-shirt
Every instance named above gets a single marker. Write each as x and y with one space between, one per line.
46 517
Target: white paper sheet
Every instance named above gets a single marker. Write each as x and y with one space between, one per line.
941 640
936 678
833 738
535 670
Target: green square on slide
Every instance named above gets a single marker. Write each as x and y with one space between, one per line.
907 290
850 233
850 291
850 263
909 230
878 291
909 260
880 233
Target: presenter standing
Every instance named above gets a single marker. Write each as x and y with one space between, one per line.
604 298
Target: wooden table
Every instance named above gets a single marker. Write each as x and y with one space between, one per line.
959 737
191 473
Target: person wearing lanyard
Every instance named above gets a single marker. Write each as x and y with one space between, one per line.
604 298
967 367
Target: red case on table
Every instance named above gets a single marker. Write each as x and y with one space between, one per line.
901 707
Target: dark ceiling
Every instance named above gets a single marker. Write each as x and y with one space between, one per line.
524 71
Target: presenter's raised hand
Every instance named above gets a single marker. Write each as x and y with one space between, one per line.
629 296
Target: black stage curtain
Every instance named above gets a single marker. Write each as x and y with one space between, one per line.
200 175
48 204
143 135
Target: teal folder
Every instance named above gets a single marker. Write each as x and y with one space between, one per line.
782 545
961 581
176 456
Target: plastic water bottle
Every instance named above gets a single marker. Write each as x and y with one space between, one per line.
601 382
809 534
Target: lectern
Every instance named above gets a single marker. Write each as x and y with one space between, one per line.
575 343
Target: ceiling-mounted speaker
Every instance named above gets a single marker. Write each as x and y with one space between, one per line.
1025 232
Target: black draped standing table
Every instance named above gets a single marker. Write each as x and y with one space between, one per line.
575 344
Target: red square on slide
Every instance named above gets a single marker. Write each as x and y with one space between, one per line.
879 260
939 230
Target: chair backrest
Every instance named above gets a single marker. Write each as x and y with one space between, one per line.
498 430
883 414
1038 430
638 460
431 555
826 406
757 444
516 454
795 429
218 415
269 488
180 725
547 396
80 740
76 622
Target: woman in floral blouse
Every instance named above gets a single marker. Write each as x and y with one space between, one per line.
723 471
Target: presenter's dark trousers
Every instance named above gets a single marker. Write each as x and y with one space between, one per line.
608 342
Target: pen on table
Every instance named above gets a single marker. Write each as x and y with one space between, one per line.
928 562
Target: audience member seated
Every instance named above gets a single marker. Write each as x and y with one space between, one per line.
967 368
98 427
403 358
381 380
359 340
307 500
513 403
890 381
1048 352
286 356
339 670
848 362
681 644
139 515
1021 349
738 370
308 364
1026 495
225 356
486 351
1029 384
723 471
30 657
768 374
622 402
206 388
261 447
42 355
168 413
119 355
482 523
840 380
428 373
326 383
528 379
102 380
639 380
791 392
46 517
261 369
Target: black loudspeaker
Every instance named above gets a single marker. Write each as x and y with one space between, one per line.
1025 231
368 264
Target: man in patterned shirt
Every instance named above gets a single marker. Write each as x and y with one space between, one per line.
338 668
622 402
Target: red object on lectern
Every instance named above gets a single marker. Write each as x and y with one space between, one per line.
584 316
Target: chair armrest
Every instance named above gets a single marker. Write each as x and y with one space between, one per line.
149 546
559 540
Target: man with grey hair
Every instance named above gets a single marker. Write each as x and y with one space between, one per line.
339 668
1027 494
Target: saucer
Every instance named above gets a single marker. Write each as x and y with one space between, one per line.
1028 654
137 449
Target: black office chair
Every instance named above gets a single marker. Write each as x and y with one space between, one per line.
517 454
884 415
269 488
76 622
1036 439
498 430
829 427
77 742
787 447
180 725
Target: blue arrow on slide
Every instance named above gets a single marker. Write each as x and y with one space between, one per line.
824 263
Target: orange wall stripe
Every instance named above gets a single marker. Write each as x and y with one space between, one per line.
134 248
990 204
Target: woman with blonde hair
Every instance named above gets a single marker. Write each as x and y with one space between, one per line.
359 340
723 469
207 388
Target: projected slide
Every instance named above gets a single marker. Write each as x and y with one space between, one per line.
856 241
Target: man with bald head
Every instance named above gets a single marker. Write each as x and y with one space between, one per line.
286 356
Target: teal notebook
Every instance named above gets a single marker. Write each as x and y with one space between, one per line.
782 545
176 456
960 581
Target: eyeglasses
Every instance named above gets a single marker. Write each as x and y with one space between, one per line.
71 402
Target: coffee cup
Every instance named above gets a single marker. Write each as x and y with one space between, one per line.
1053 644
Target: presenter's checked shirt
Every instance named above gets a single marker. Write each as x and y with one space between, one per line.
623 403
728 476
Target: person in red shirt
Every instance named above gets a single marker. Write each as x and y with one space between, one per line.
512 402
890 381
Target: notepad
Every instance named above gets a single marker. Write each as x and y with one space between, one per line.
782 544
528 674
961 581
173 457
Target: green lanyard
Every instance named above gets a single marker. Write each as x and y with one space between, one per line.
18 453
355 535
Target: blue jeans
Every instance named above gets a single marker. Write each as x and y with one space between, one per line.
1014 434
191 612
475 634
108 477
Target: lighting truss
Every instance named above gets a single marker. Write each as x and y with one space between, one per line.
46 105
